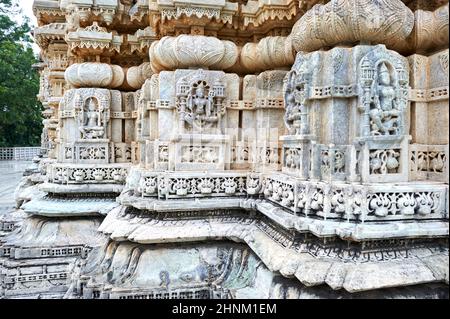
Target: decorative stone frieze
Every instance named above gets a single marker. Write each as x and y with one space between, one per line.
429 162
313 133
84 174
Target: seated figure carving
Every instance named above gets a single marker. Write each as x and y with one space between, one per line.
385 112
91 127
200 104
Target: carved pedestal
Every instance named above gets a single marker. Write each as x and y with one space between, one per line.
199 152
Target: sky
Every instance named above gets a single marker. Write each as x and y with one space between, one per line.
27 10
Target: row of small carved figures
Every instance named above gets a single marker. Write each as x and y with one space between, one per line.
309 198
352 203
99 174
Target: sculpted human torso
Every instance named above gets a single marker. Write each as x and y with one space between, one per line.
91 116
201 104
387 97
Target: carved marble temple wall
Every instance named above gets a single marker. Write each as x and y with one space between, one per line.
262 149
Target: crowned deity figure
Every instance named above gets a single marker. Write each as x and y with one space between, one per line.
91 123
200 105
385 112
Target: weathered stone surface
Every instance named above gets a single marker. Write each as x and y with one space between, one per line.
188 152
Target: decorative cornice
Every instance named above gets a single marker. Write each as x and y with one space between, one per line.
94 37
256 13
48 33
142 40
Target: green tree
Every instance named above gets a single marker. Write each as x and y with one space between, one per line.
20 111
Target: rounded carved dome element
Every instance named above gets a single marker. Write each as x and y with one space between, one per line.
187 51
94 74
269 53
430 30
349 21
118 76
137 75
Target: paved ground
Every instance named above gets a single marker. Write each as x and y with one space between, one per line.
10 175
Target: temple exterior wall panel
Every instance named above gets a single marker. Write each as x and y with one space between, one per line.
311 134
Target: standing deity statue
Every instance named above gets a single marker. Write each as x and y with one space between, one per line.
385 112
296 116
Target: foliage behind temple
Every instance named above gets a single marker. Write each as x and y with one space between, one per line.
20 111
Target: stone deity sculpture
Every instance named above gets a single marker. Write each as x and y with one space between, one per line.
296 116
385 112
91 122
201 104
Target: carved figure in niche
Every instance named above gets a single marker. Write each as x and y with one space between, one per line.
385 112
200 105
91 126
73 18
296 116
